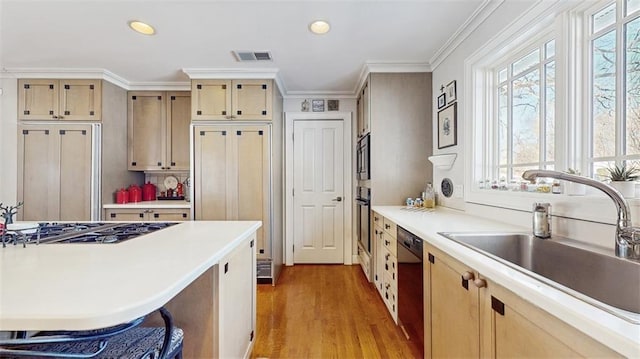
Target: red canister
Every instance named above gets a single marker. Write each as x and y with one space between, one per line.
135 193
122 196
148 192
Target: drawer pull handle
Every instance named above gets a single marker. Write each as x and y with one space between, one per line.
480 283
386 242
387 226
467 275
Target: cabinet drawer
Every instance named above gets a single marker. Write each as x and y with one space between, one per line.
390 297
378 220
390 266
391 228
390 243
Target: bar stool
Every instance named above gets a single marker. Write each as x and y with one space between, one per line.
125 341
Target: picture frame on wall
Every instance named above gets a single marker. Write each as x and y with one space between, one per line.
333 105
448 126
317 105
442 101
450 91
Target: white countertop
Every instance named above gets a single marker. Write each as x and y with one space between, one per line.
88 286
149 204
599 324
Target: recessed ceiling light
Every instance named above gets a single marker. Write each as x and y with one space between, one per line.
142 27
319 27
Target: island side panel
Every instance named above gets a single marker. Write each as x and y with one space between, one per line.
195 311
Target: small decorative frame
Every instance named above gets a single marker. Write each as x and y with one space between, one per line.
317 105
304 106
448 126
450 91
333 105
442 101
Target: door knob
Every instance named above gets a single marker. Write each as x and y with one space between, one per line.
337 199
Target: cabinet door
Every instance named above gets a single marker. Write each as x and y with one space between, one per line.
38 184
454 310
366 114
75 160
360 115
211 100
80 100
37 99
146 126
237 301
213 174
178 121
252 99
251 147
126 215
379 258
510 325
169 215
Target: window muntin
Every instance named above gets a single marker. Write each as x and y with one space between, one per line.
525 128
614 117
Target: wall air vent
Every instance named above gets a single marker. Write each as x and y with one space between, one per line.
252 56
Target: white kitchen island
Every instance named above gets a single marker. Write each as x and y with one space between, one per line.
203 272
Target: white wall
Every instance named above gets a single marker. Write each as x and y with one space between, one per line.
452 68
8 140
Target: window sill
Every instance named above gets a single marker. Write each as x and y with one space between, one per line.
594 206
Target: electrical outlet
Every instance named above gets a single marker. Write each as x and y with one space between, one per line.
458 191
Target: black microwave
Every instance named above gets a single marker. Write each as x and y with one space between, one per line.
363 164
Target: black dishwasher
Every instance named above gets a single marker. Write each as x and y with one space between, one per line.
410 294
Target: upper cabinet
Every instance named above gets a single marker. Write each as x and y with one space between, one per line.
158 130
66 100
231 100
364 118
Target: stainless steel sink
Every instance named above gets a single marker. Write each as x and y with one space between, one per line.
602 276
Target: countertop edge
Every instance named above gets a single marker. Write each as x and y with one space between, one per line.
613 332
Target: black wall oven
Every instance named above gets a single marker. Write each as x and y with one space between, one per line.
362 159
363 213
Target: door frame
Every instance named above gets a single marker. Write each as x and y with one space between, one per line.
346 118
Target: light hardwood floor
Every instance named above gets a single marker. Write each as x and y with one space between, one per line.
326 311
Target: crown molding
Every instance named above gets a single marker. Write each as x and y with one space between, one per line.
389 67
344 95
478 17
159 86
237 73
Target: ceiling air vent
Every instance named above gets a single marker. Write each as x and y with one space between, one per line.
252 55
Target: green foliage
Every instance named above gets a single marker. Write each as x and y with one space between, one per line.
623 173
571 171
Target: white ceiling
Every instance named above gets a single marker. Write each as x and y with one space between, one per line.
77 34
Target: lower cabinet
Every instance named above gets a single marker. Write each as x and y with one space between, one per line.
386 263
467 315
148 214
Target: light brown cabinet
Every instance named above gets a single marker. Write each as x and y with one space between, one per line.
232 100
158 130
469 316
386 262
148 214
55 172
232 176
364 118
68 100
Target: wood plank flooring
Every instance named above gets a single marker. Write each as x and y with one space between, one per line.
326 311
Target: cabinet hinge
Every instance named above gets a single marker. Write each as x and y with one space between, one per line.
201 133
224 133
134 163
134 97
260 133
91 87
239 86
251 336
51 87
251 244
159 97
465 283
432 258
264 86
46 132
25 132
199 87
67 87
497 305
262 251
63 132
264 112
224 87
226 267
113 215
91 113
173 98
239 133
26 86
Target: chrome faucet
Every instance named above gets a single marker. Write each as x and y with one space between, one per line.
627 236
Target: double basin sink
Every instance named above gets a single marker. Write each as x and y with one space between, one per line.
595 274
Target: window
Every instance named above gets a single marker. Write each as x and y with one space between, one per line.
614 77
525 129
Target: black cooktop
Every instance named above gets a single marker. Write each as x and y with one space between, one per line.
94 232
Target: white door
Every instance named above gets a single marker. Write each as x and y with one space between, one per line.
318 198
